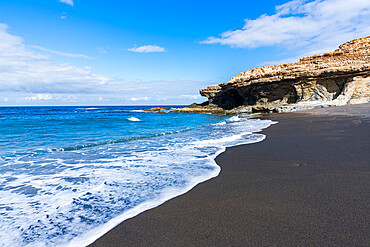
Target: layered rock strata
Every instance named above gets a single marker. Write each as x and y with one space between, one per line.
334 78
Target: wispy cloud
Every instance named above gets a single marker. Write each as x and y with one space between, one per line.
147 48
69 2
193 97
39 97
23 69
318 26
28 77
103 50
64 15
64 54
139 98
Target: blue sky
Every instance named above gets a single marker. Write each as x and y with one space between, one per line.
87 52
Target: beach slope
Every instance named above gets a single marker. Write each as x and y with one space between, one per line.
306 184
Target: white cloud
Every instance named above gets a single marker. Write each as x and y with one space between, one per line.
64 54
23 70
193 97
147 48
40 97
318 25
139 99
28 77
69 2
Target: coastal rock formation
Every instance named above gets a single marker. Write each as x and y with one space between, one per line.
158 109
334 78
193 108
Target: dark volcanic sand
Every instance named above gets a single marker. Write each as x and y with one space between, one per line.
264 198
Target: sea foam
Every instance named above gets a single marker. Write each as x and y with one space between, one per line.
70 198
133 119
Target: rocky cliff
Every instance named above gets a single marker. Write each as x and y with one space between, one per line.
334 78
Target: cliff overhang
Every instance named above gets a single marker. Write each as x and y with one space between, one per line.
334 78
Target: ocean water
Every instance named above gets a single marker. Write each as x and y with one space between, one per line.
69 174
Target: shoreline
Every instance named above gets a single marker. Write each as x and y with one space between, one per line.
90 237
275 191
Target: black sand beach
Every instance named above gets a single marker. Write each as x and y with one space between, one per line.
306 184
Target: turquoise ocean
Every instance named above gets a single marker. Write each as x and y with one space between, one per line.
70 174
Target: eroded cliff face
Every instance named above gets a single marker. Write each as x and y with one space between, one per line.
335 78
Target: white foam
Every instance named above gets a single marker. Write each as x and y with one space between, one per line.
90 108
89 237
84 193
221 123
133 119
234 119
213 142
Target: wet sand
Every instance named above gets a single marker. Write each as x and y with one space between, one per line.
306 184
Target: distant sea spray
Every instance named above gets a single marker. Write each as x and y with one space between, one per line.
70 174
133 119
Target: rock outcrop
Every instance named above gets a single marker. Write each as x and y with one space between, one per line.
334 78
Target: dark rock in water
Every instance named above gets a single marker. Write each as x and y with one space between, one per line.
205 107
195 105
302 164
157 109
